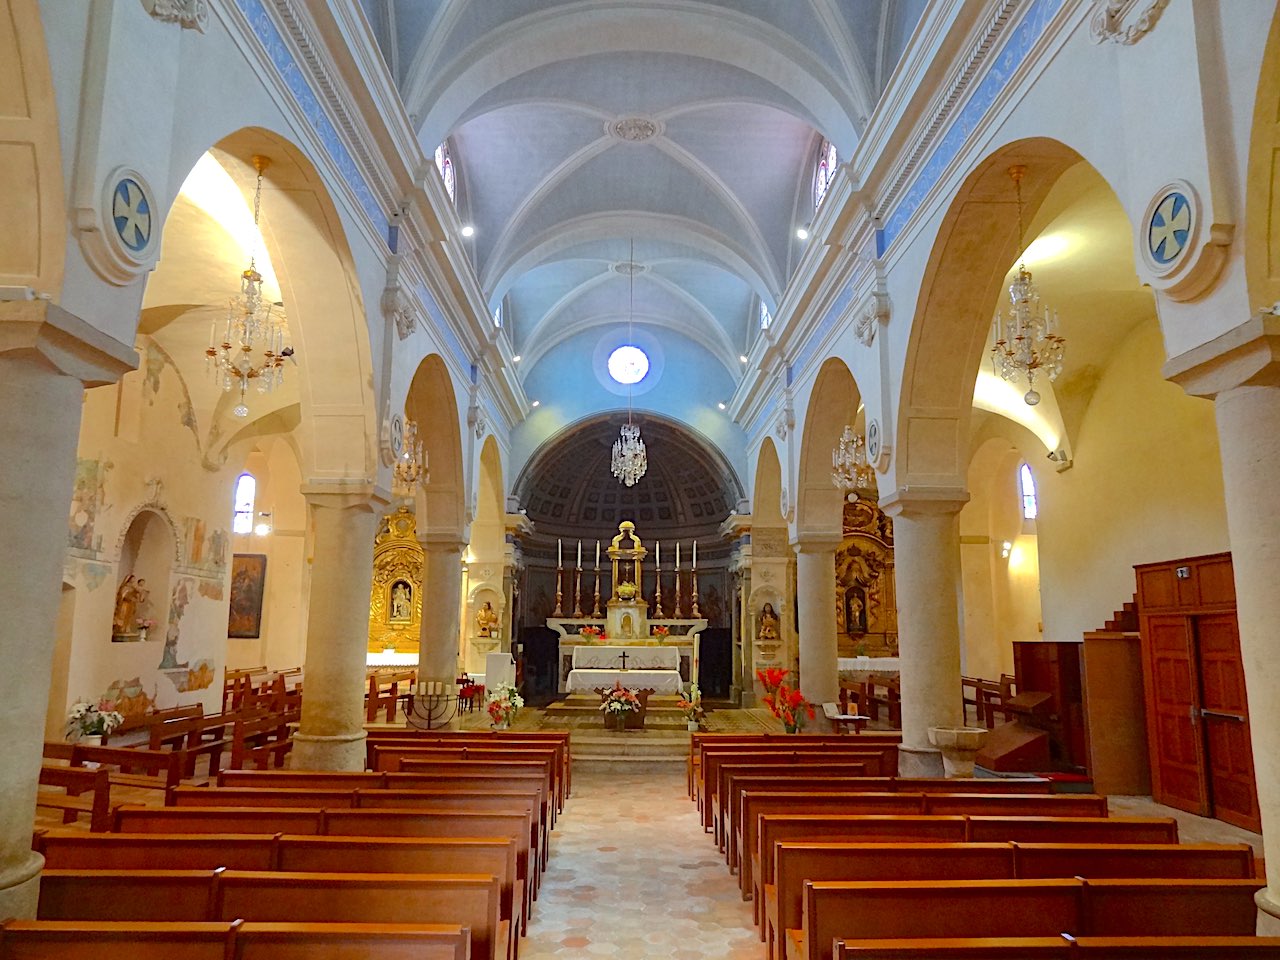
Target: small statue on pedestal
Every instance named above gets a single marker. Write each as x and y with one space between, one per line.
486 620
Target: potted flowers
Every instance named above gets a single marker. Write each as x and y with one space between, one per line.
503 704
661 632
618 706
590 632
691 707
786 703
89 722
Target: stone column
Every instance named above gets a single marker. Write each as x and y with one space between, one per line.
926 538
816 592
47 357
1241 371
442 580
331 735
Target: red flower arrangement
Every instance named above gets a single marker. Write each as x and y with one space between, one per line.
596 633
661 631
788 704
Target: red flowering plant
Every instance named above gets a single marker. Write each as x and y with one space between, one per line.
661 632
786 703
595 633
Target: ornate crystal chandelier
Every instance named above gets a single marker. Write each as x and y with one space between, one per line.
849 467
411 466
251 326
1026 340
630 459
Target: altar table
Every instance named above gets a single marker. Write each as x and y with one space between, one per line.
609 657
585 680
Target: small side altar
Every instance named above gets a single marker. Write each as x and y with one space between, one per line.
671 643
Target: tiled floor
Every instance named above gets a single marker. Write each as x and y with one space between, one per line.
632 874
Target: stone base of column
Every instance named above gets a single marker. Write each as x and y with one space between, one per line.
20 888
1268 913
919 762
344 752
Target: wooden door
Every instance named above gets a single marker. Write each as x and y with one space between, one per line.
1173 715
1224 713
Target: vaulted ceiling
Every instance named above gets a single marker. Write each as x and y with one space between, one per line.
669 142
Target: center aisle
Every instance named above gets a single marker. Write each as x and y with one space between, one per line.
632 874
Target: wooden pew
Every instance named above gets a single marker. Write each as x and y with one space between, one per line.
849 828
995 804
261 740
161 769
468 900
428 822
384 692
486 738
701 744
794 863
75 782
136 729
421 755
195 736
1060 948
732 775
848 910
301 854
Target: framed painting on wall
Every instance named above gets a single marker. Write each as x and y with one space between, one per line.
248 577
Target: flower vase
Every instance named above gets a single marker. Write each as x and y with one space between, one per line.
615 720
791 727
90 740
693 726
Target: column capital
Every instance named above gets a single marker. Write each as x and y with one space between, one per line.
442 542
924 501
346 494
43 332
817 542
1246 355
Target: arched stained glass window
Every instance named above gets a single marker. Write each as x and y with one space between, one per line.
242 517
828 163
497 314
1027 486
444 164
766 317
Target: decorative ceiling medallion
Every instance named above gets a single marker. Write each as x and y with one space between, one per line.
118 237
628 268
877 449
1183 253
634 129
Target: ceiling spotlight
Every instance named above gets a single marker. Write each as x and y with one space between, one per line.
802 233
536 403
516 358
468 230
742 357
720 405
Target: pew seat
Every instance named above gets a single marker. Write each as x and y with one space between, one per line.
1062 948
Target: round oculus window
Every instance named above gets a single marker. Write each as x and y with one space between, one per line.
628 364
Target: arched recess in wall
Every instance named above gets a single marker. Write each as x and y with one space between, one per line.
485 583
32 204
1262 199
833 404
145 565
975 246
432 404
766 641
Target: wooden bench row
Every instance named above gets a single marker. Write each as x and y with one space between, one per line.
1063 947
701 744
756 803
238 940
795 863
849 828
65 850
859 910
386 687
393 756
490 739
467 900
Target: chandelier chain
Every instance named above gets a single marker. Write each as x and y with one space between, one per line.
630 460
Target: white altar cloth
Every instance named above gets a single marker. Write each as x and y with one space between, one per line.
660 681
609 657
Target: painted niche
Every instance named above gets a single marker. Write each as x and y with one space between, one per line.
395 603
866 596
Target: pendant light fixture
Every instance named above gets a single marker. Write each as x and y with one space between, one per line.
630 459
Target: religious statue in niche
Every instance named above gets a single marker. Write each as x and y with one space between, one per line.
130 595
395 596
866 601
486 620
768 631
401 601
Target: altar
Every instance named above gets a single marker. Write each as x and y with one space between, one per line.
635 667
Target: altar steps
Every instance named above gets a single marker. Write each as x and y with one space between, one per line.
606 750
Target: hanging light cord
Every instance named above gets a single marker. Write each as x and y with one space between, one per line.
631 312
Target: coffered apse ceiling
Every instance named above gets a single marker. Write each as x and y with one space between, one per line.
685 130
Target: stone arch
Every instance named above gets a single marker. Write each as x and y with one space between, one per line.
833 404
33 208
432 404
974 247
1262 192
766 491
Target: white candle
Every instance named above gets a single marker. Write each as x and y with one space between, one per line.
597 554
579 554
657 556
677 556
559 554
695 554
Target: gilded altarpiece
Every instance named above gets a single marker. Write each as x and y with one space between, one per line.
866 598
395 602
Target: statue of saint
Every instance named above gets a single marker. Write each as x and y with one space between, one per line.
401 601
486 620
768 625
129 596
